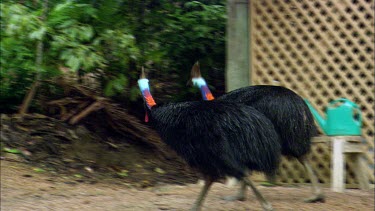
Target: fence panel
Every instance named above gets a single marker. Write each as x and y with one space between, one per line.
323 50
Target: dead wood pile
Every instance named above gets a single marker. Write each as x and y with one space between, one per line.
81 102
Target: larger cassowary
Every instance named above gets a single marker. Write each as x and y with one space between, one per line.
287 111
217 138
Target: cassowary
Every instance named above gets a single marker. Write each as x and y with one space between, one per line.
286 110
216 138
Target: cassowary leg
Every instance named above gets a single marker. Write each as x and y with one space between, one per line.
318 193
202 195
271 178
265 204
241 195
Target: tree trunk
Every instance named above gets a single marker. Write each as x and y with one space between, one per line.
38 63
28 98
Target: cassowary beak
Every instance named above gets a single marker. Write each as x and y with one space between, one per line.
195 73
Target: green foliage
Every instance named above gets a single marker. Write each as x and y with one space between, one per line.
69 13
111 38
71 37
116 86
20 31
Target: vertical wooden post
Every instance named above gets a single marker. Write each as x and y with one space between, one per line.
237 61
237 49
338 167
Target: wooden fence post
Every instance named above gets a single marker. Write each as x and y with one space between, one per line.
237 65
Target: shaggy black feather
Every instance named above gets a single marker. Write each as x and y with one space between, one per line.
286 110
219 138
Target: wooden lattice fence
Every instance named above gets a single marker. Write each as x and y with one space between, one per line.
323 50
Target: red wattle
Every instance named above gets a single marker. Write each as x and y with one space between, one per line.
146 117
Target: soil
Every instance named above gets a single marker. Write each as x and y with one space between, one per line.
90 155
47 164
23 188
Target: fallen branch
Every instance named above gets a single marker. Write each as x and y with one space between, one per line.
93 107
13 160
65 101
68 115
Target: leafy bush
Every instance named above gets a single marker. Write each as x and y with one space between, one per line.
111 39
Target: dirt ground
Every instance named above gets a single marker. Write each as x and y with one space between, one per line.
23 188
57 147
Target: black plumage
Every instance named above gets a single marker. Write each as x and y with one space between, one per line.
218 139
287 111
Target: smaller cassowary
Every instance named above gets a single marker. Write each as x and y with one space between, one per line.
287 111
217 138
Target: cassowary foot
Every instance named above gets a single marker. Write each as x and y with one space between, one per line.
234 198
195 208
317 198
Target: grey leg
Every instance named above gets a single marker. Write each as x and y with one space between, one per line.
318 193
202 195
241 195
265 204
271 178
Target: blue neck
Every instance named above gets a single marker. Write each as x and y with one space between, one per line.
145 89
202 85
